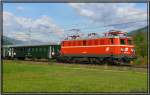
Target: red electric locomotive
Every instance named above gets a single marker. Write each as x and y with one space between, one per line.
114 47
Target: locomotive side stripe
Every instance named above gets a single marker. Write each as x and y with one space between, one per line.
95 46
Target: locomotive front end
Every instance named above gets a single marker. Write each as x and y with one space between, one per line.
123 49
127 49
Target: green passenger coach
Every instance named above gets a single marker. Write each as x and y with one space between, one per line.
43 51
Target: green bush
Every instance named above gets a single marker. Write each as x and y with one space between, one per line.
141 60
138 61
141 46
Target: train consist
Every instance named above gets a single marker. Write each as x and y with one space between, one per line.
113 47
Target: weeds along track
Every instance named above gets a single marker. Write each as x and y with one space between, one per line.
119 66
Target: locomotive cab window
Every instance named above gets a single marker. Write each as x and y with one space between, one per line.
129 42
122 41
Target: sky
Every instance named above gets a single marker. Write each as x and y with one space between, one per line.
52 22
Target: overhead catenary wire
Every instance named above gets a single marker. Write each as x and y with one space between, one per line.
110 25
110 19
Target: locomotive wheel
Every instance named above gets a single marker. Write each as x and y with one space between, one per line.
116 62
66 59
94 61
59 59
77 61
69 60
73 60
89 60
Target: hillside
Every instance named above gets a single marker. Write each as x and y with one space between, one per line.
6 41
143 31
140 40
10 41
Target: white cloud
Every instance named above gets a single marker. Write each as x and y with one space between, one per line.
47 23
111 13
41 29
20 8
21 35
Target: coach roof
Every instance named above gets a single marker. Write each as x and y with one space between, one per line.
29 45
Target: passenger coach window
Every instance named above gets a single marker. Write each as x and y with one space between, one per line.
122 41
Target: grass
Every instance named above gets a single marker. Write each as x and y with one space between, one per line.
27 76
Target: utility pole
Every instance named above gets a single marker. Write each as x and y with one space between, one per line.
29 35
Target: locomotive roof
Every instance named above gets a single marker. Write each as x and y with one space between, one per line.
28 45
98 38
109 34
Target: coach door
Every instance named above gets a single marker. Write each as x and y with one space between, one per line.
50 52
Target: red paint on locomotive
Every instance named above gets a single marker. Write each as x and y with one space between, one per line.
100 47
